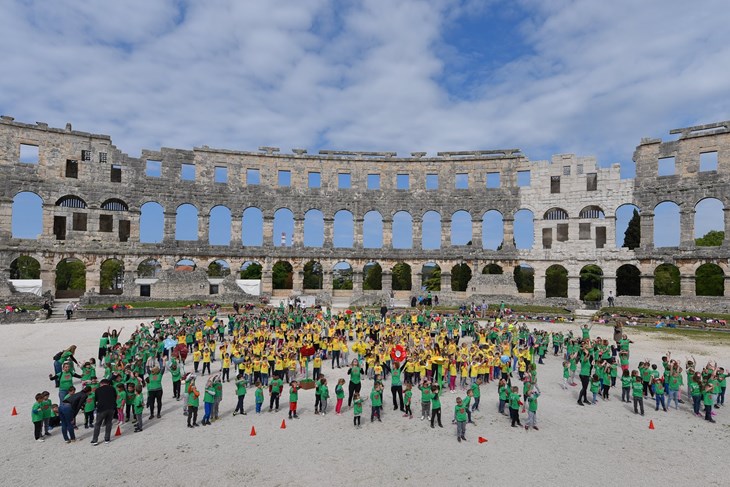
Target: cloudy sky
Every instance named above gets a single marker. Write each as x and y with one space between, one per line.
547 76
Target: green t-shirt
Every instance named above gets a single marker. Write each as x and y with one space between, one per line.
357 409
585 367
240 387
595 385
259 395
514 401
460 412
355 375
626 381
707 398
209 396
36 412
121 396
425 394
694 389
324 391
193 400
436 401
293 394
155 383
339 391
138 403
637 389
475 389
376 398
408 395
276 386
503 393
395 377
532 403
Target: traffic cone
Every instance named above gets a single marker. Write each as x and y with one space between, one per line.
119 431
482 439
283 424
253 431
14 413
651 424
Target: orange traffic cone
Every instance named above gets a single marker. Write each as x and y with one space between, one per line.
651 424
283 424
119 431
482 439
14 413
253 431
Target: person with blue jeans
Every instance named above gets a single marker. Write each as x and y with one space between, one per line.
67 411
208 401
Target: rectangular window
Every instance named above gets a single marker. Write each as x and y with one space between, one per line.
314 180
523 179
432 181
72 169
584 231
29 154
579 169
374 181
221 174
461 181
116 174
59 227
562 232
85 155
213 289
106 223
102 156
566 170
591 181
79 222
493 180
555 184
144 290
284 179
402 181
187 172
124 227
666 166
547 238
600 237
154 169
344 181
708 161
253 177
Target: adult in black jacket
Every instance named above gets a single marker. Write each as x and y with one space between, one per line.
68 410
106 408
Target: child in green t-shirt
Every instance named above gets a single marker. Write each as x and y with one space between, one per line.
435 406
240 393
293 399
47 413
357 410
425 400
259 395
514 406
89 408
36 415
340 395
460 417
408 397
138 408
532 411
376 401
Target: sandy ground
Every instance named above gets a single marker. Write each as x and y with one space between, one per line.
599 445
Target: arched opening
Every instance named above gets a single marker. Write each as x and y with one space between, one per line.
492 230
70 278
186 222
401 277
461 231
431 230
25 267
185 265
591 283
666 280
628 227
313 229
282 275
592 212
283 228
460 277
431 277
666 225
709 280
149 268
219 227
372 230
492 269
342 276
71 201
151 223
556 282
344 230
555 214
372 277
251 270
628 281
252 227
524 276
524 228
27 216
709 223
402 230
111 279
114 204
219 268
313 275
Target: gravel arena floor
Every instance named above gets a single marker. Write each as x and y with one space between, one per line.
597 445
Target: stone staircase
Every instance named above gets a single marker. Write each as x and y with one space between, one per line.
59 309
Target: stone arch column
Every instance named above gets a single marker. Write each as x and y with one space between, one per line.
168 235
236 231
267 284
686 284
298 237
329 230
538 291
610 221
386 280
203 228
686 228
726 241
6 216
445 236
387 233
476 232
134 216
647 230
357 280
445 282
508 235
93 276
609 284
647 283
297 280
573 285
357 237
417 233
268 231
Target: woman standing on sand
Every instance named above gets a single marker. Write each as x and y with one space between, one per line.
585 375
355 373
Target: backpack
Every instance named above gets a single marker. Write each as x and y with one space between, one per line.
58 356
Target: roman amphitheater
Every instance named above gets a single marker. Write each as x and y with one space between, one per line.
93 199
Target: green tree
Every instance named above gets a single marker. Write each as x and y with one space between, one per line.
252 271
632 236
492 269
218 269
556 282
25 267
713 238
432 278
628 281
342 279
373 277
460 277
666 280
590 280
709 280
112 273
312 275
148 268
71 275
282 275
524 279
401 277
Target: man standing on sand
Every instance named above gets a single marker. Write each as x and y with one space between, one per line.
106 408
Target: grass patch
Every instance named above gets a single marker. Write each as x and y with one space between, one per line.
708 336
619 310
153 304
532 308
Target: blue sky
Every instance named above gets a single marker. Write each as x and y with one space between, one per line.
548 76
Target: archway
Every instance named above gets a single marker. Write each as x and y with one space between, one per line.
402 230
492 230
591 283
343 233
372 277
492 269
460 277
666 224
149 268
313 275
27 216
251 270
283 227
313 229
628 227
186 222
524 229
372 230
25 267
111 279
219 268
461 230
431 230
252 227
524 276
401 277
431 277
556 282
628 281
342 276
282 275
185 265
219 226
709 280
709 224
666 280
151 223
70 278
